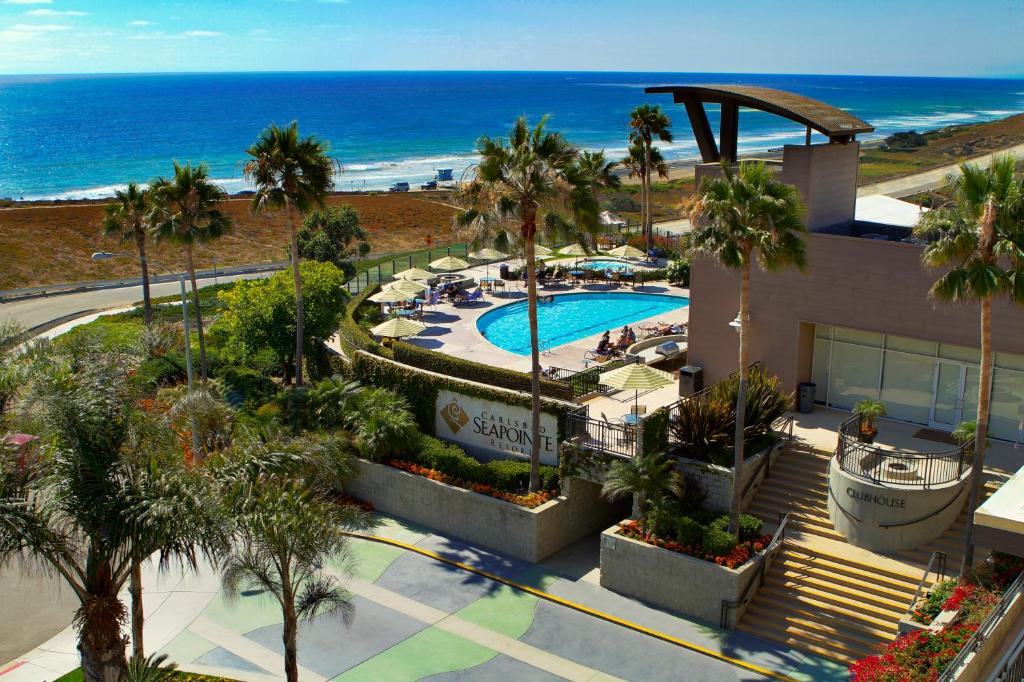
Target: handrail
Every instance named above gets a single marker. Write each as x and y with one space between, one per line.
928 515
840 507
940 574
786 425
767 555
975 641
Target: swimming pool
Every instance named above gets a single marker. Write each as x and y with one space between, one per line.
605 264
571 317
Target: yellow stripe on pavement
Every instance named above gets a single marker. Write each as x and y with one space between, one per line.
636 627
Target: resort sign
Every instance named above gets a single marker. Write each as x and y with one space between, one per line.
492 428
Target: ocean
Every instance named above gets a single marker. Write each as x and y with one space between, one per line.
69 137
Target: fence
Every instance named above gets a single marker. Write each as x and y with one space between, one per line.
384 270
916 469
602 436
582 381
1014 592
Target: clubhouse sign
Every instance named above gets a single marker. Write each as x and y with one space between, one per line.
493 428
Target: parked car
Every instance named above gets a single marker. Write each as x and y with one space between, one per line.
399 187
429 184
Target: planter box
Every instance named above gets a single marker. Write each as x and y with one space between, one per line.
670 580
718 480
528 534
940 621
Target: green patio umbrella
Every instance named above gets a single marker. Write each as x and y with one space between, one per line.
626 251
392 295
636 376
398 328
539 250
414 273
573 250
488 255
449 263
407 286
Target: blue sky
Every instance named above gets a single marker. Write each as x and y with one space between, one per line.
901 37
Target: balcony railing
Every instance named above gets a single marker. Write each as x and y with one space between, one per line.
598 435
899 467
952 672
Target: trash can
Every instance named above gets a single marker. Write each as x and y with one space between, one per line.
503 271
691 380
805 397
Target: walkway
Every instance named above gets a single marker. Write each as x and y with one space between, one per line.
929 179
418 618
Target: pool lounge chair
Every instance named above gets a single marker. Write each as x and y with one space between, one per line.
476 295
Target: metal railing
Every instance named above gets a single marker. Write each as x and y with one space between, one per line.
1011 669
582 381
973 644
783 430
602 436
936 562
899 467
766 559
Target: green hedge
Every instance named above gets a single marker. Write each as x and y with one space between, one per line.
655 431
353 337
507 475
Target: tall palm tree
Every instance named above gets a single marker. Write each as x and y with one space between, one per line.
78 509
979 239
519 185
646 477
295 174
647 122
128 217
187 209
635 162
286 530
741 216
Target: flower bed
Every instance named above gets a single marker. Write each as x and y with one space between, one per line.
528 500
737 556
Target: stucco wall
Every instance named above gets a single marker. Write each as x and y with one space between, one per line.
529 534
860 283
717 480
670 580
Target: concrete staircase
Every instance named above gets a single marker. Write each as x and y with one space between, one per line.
823 595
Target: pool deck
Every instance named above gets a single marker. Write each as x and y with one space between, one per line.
452 329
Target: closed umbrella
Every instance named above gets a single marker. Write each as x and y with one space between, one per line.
398 328
626 251
636 376
449 263
414 273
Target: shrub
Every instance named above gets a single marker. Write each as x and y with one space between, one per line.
164 370
750 527
717 542
694 495
507 475
383 424
932 605
253 386
678 272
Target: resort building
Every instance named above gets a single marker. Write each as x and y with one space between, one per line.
859 323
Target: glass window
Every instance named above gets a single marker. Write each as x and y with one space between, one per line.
907 386
854 374
1010 361
861 338
961 353
1007 408
822 331
819 373
906 345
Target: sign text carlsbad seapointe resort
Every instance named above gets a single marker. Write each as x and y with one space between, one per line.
494 427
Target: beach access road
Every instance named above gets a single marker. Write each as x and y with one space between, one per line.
931 179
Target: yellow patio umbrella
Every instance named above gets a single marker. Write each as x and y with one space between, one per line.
626 251
391 296
573 250
406 286
449 263
414 273
488 255
542 250
636 376
398 328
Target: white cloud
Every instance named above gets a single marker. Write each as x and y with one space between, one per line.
55 13
23 32
140 22
28 2
202 34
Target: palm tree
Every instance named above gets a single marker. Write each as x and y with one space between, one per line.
646 477
745 215
286 530
520 185
295 174
187 209
79 510
979 238
128 217
645 123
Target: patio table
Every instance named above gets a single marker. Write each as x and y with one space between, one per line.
631 419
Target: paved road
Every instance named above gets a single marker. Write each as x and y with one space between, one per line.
930 179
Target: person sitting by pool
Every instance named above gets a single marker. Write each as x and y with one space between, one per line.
604 346
459 295
630 335
548 298
623 342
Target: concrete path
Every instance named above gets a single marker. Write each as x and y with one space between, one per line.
419 618
930 179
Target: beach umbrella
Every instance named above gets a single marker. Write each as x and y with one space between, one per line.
414 273
407 286
449 263
488 255
573 250
635 376
626 251
542 250
398 328
391 296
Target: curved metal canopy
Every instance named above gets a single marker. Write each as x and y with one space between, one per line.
834 123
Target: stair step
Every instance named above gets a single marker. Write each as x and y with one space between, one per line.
826 588
827 653
784 629
883 608
847 630
839 562
791 600
800 568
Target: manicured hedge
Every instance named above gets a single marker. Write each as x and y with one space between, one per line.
506 475
655 431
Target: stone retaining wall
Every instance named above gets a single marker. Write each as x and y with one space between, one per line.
718 480
529 534
671 580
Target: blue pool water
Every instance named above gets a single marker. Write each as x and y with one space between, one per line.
571 317
599 264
